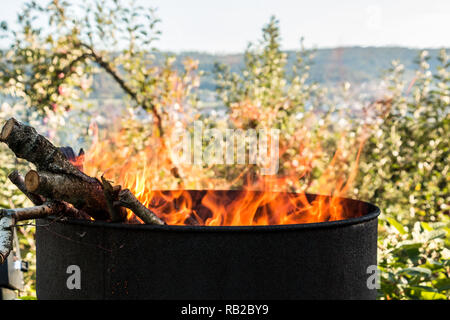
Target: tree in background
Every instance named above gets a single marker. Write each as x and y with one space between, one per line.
51 67
405 170
268 94
48 69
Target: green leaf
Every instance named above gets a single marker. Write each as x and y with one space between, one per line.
428 295
426 226
442 284
435 234
433 265
425 293
416 271
396 225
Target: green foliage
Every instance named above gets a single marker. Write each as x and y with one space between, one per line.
264 82
268 94
406 166
406 172
52 68
415 264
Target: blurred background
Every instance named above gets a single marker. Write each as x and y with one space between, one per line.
115 77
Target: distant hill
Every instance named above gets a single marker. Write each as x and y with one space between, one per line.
331 66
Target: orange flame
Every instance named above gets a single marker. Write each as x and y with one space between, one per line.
142 168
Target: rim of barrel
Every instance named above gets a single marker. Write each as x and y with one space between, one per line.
372 213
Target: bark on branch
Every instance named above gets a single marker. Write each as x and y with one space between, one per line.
128 200
31 213
111 193
16 178
27 144
6 237
9 217
66 208
83 195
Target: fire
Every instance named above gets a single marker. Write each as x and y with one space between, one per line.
143 167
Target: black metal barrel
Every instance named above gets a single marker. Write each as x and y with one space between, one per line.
329 260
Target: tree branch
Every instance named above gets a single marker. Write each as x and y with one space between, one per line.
117 213
6 237
83 195
31 213
146 104
128 200
16 178
9 217
27 144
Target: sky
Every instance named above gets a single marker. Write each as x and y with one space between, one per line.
227 26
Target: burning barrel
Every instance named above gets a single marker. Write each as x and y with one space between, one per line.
322 260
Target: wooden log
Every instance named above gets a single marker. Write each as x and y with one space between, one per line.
66 208
57 178
9 217
37 212
6 237
117 213
128 200
16 178
27 144
83 195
